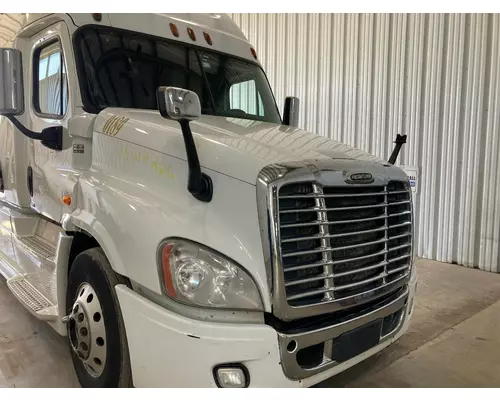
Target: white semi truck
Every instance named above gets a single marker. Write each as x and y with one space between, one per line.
158 211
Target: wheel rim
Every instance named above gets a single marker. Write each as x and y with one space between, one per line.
86 330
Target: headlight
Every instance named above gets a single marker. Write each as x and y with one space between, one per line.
193 274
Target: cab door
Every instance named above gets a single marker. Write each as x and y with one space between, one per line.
51 104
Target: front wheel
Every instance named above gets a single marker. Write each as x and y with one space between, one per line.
96 332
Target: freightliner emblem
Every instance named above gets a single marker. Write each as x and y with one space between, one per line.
359 177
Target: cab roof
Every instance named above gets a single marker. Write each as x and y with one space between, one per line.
224 33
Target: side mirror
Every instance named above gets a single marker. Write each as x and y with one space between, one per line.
291 112
12 99
11 82
184 106
177 104
53 138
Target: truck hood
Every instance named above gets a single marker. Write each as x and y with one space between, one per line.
235 147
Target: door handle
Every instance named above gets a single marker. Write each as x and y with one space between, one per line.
30 180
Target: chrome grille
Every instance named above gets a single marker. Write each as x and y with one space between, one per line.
341 241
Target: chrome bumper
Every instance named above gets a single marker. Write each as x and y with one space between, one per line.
291 344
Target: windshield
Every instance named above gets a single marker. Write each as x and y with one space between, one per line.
123 69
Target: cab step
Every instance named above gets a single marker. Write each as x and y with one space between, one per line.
24 288
38 247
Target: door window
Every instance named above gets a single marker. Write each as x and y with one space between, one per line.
50 86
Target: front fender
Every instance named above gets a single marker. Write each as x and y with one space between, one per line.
86 221
129 208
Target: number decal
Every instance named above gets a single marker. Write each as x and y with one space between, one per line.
113 125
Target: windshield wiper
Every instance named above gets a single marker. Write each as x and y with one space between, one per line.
133 73
207 85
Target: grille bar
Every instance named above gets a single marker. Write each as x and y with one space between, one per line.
391 260
353 246
395 270
320 291
360 258
399 236
326 196
362 283
320 250
355 271
298 239
340 208
321 236
308 252
400 225
325 263
320 264
315 223
312 196
340 241
400 247
320 277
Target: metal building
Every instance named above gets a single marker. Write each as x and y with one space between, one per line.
363 78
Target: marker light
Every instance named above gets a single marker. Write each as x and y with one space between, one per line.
97 17
254 53
66 200
207 38
191 34
174 30
166 252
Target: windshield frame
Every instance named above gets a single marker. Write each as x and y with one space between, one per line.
90 107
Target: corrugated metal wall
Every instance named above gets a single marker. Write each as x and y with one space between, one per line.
9 25
363 78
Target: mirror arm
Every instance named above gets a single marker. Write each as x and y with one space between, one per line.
25 131
199 184
51 137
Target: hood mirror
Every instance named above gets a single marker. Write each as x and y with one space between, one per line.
184 106
178 104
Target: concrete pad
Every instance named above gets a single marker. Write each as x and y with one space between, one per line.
32 354
467 355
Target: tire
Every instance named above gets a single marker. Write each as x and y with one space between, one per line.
92 269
